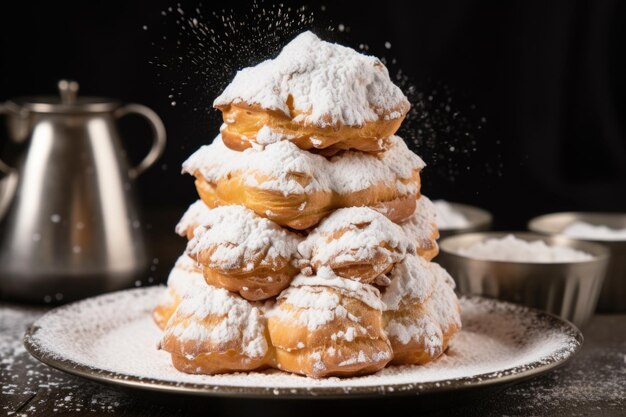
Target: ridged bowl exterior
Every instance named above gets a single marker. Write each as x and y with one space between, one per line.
613 293
569 290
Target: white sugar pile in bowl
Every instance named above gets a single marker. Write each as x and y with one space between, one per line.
512 249
448 217
454 218
584 230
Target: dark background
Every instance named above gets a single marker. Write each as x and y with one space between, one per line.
539 87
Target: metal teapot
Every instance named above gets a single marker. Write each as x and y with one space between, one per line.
69 224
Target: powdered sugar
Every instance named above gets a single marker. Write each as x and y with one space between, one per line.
306 296
412 281
232 321
497 340
426 283
186 264
422 225
278 162
266 135
326 278
583 230
192 217
318 306
236 236
448 217
329 85
184 278
365 231
511 248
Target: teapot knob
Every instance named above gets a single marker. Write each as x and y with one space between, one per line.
68 91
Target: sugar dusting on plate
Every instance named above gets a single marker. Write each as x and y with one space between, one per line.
514 249
497 339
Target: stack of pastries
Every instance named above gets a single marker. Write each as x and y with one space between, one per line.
309 250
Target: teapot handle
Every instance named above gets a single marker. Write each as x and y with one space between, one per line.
158 139
9 183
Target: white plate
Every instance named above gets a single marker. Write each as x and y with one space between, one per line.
112 339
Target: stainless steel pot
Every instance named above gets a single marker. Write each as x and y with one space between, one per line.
69 223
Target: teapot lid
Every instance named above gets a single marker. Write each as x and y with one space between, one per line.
67 101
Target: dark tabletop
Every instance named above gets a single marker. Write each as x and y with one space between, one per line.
593 383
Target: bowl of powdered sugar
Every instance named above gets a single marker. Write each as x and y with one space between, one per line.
553 273
608 229
455 218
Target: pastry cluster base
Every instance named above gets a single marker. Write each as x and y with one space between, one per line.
348 297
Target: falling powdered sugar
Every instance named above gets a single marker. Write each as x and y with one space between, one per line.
326 84
498 339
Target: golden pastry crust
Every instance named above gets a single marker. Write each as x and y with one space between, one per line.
302 211
214 331
192 218
218 363
421 226
321 331
297 189
298 211
418 350
431 249
245 125
164 310
422 324
318 95
184 278
356 243
261 284
245 253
